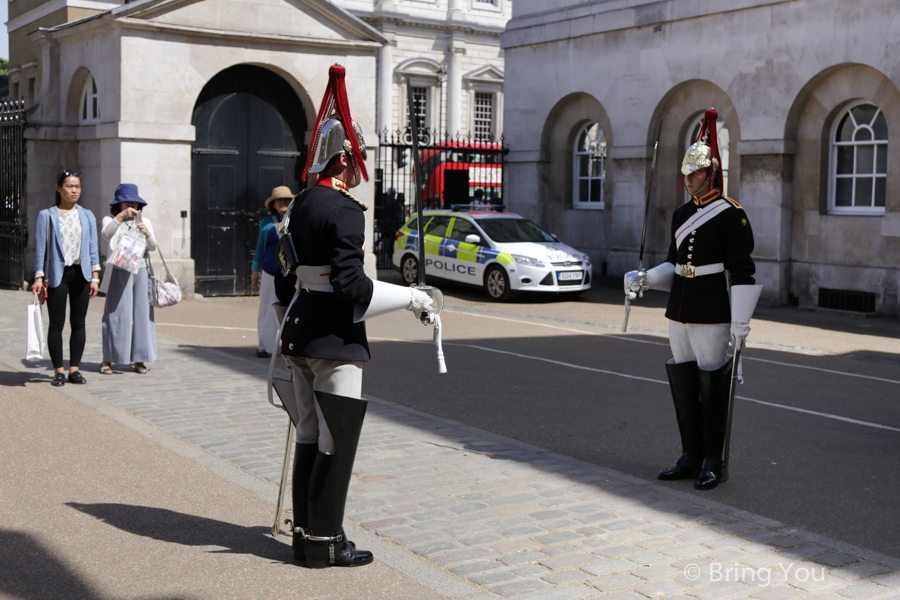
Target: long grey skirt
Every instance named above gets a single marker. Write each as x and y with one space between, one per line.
129 333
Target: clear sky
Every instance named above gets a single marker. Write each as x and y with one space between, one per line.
4 36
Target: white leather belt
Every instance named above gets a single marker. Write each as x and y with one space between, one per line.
691 271
310 278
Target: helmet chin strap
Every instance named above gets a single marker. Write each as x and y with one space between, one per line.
705 188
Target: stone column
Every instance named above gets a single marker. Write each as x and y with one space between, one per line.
385 105
766 194
454 91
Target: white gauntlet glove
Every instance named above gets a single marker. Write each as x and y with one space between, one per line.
739 333
420 303
636 282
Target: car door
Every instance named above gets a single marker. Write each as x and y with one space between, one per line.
465 256
436 261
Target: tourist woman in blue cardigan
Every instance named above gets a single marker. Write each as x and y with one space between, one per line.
69 263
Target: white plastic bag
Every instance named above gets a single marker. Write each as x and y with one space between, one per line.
34 351
130 250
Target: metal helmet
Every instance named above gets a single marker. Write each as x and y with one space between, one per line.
704 153
698 156
333 141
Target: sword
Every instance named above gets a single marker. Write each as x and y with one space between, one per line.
631 295
435 317
735 374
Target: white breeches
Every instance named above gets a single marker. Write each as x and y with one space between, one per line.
334 377
706 344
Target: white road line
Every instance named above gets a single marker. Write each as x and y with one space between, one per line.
647 379
205 326
628 339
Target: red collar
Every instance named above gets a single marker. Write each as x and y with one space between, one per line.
334 183
707 197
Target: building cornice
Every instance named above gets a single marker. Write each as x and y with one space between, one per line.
593 17
297 40
49 8
381 19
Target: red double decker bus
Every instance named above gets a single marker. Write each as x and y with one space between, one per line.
454 171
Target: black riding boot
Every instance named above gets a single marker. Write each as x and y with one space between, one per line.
685 385
714 389
304 459
326 544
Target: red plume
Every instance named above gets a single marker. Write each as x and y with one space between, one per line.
709 128
336 97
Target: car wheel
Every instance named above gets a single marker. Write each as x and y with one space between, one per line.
496 284
409 269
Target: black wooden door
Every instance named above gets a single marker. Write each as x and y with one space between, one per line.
248 122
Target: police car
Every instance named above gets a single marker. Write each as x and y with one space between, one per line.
500 251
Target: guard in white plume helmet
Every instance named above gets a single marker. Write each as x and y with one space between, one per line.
709 273
324 333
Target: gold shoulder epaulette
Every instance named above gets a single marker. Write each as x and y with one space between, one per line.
734 203
351 197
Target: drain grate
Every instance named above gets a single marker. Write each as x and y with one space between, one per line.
863 302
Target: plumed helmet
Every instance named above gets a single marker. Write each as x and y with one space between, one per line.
704 152
330 134
334 140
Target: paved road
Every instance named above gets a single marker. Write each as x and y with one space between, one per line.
470 513
558 375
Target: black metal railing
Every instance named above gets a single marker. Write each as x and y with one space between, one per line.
461 169
13 228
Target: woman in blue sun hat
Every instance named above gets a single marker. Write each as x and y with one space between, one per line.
129 332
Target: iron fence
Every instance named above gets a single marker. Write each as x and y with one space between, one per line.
455 170
13 227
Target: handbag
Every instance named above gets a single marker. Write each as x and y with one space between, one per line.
130 250
163 293
34 349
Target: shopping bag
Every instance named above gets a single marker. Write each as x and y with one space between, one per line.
163 293
34 350
130 250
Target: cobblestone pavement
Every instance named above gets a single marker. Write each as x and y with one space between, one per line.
510 519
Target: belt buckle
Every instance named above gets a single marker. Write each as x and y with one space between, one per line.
687 271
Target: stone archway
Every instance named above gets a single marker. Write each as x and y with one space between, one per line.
250 127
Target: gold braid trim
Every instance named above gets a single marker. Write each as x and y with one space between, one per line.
337 184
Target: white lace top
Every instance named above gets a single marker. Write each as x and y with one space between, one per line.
70 231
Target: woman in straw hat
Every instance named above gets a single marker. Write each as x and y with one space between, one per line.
264 268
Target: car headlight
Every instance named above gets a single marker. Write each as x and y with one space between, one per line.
587 260
527 260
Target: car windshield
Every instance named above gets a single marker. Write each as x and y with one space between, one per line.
505 231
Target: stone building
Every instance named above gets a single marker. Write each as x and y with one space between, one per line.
207 105
807 93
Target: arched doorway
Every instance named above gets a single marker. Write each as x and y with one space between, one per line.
249 126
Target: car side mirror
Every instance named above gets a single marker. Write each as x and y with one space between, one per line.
473 239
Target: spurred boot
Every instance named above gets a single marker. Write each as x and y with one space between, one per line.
714 389
304 459
326 543
684 381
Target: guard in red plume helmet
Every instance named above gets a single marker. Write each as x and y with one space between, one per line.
710 248
323 332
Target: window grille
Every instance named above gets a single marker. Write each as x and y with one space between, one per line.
484 115
590 167
90 105
859 162
420 102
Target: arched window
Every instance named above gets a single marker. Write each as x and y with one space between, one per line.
724 139
90 106
859 145
590 167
